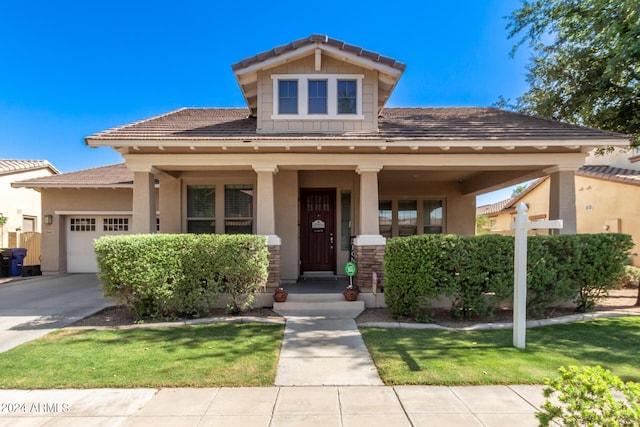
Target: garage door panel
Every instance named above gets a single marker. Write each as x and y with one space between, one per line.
82 231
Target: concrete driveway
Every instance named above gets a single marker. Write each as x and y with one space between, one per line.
30 308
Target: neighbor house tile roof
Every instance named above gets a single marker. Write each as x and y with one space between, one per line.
437 124
609 173
14 166
318 38
117 175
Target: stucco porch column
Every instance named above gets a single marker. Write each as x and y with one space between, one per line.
144 203
562 198
266 219
369 245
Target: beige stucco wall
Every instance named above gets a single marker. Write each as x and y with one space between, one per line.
286 205
537 201
307 66
69 200
614 207
18 203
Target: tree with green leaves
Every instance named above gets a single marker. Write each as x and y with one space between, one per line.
518 190
585 65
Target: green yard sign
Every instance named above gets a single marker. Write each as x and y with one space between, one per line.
350 269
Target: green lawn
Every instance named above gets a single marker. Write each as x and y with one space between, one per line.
193 356
406 356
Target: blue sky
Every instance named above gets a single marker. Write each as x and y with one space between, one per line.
70 69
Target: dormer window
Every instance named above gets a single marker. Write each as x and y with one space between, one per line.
288 97
317 96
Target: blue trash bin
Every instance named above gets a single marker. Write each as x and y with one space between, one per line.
17 258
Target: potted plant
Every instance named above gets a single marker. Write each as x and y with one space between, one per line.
280 295
351 293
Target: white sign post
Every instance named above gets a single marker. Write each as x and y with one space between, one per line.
521 225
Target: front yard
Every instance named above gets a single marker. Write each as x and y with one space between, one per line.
405 356
188 356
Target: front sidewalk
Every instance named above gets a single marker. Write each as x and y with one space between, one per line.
344 406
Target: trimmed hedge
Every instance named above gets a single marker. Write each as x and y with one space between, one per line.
177 275
477 272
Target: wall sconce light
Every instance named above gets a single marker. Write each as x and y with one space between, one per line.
48 219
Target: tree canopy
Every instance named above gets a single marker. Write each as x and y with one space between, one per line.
585 67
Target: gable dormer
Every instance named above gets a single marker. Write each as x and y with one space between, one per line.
317 84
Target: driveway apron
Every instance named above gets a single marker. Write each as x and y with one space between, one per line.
31 308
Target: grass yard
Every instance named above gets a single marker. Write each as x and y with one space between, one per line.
192 356
405 356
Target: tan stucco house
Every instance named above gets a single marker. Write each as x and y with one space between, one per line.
315 162
607 199
22 207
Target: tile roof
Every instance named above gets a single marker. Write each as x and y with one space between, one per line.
318 38
117 175
14 166
609 173
437 124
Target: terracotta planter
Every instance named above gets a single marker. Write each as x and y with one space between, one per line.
280 295
350 294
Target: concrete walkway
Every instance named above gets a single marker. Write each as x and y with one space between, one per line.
346 406
320 351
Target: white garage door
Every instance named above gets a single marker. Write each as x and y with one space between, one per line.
82 231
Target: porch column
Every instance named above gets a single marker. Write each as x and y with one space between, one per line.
266 219
369 245
368 212
265 201
144 203
562 198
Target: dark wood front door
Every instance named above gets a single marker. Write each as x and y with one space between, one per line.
317 229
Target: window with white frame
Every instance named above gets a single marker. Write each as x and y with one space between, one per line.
314 96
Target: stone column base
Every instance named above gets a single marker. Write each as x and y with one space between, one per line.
368 259
273 281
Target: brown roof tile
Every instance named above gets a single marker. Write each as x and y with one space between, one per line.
437 124
609 173
117 175
318 38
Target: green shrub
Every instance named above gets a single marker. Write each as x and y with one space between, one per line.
595 265
477 272
547 284
590 397
176 275
415 271
482 274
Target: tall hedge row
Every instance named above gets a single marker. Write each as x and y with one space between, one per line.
476 273
175 275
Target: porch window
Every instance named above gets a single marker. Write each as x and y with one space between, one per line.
287 97
385 217
432 217
317 97
407 217
201 209
238 209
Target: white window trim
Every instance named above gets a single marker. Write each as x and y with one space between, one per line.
303 97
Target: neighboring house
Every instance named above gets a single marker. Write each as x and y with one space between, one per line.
20 206
316 163
607 199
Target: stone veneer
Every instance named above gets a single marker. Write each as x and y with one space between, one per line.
368 259
273 281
